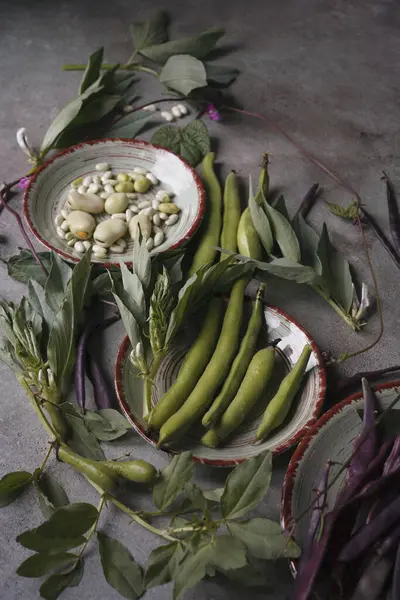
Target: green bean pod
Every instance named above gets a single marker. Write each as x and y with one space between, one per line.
215 372
278 408
138 471
192 367
211 226
248 242
251 389
90 468
239 365
231 215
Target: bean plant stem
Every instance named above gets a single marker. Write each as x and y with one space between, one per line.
108 67
37 408
94 526
135 517
149 379
347 318
49 451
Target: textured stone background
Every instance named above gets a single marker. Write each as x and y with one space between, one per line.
328 73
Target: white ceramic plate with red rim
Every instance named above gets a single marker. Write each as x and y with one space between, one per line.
330 438
240 446
48 189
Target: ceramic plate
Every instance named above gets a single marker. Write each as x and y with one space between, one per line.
240 447
48 190
331 437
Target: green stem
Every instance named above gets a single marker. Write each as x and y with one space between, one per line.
94 527
183 529
338 310
148 381
37 409
46 458
107 67
140 521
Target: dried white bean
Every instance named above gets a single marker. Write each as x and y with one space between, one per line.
152 178
105 195
102 245
141 222
167 116
102 166
121 242
70 236
72 242
164 216
176 111
82 189
150 108
144 204
128 214
112 181
107 175
149 244
148 211
160 196
79 247
64 226
158 238
132 195
121 216
99 249
64 213
172 220
116 249
99 256
156 220
97 179
87 180
140 171
60 233
93 188
87 244
155 204
157 229
134 208
58 220
108 188
183 108
90 203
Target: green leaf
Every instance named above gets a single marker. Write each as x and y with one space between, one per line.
198 46
192 142
195 496
346 212
69 521
81 440
93 69
173 479
335 271
40 543
228 553
152 31
23 266
56 283
260 221
246 485
13 485
120 569
183 73
287 269
258 573
283 233
41 564
95 109
162 302
308 240
162 563
141 264
7 356
130 324
135 299
213 495
37 300
280 206
51 495
56 584
129 126
264 539
220 76
107 424
192 569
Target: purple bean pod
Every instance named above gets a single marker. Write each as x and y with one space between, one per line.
394 215
373 578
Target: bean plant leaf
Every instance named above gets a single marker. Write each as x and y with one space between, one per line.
173 479
13 485
134 292
92 71
43 563
335 271
37 299
183 73
40 543
192 569
283 233
141 264
56 283
162 564
23 266
228 553
280 206
195 499
264 539
246 485
130 324
129 126
168 137
51 494
213 495
287 269
198 46
69 521
119 567
219 75
192 142
107 424
56 584
257 573
346 212
260 221
308 240
81 440
150 32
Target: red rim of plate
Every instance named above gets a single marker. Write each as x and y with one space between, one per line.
70 150
321 374
298 455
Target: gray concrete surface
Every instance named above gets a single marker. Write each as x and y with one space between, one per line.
328 72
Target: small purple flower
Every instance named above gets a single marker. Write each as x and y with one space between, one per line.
213 113
23 183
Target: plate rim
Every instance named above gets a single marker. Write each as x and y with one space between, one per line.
298 455
133 142
321 374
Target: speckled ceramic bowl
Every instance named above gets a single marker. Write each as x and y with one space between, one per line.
241 446
48 190
330 438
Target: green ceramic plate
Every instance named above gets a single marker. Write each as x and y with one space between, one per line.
240 447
